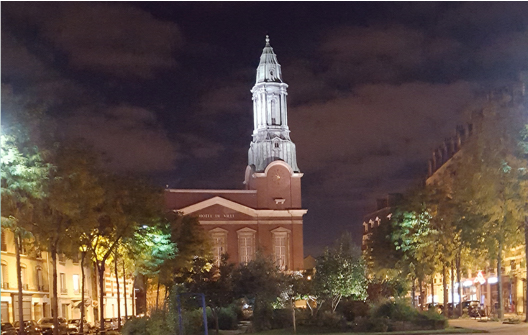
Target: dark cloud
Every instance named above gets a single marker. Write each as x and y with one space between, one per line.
128 136
164 88
112 38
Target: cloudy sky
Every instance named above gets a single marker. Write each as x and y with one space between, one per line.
163 89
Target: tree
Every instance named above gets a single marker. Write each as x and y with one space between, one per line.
217 286
262 282
499 180
193 249
150 249
340 272
73 195
23 172
128 204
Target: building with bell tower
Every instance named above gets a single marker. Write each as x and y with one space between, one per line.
267 215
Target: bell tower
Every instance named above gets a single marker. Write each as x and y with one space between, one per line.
272 163
271 135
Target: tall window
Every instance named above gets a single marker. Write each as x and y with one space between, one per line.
39 280
5 280
281 251
246 245
63 288
219 237
76 284
24 277
4 243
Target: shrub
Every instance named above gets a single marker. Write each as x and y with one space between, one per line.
282 318
136 326
397 310
353 308
331 320
227 318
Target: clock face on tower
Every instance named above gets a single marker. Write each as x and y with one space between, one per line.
278 176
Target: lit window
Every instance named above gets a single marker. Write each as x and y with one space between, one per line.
219 238
246 245
76 284
281 248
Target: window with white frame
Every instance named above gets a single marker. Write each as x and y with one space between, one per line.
246 245
219 238
280 248
76 286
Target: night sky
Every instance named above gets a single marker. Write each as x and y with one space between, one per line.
163 89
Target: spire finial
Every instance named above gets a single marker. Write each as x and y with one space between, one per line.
267 39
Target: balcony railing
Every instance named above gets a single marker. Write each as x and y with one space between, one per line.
5 286
77 291
43 288
25 287
64 291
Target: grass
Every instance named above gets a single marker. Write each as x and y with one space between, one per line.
313 330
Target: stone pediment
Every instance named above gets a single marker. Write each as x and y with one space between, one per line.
218 208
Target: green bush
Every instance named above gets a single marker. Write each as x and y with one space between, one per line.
227 318
352 309
136 326
331 320
395 310
282 318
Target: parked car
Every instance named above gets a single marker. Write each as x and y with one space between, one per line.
436 307
8 329
74 326
472 308
46 326
31 327
110 323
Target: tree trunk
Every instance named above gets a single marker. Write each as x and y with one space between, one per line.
118 298
215 311
459 280
101 270
432 290
134 296
18 244
83 255
444 287
413 292
157 293
293 316
55 300
420 284
124 291
499 278
453 287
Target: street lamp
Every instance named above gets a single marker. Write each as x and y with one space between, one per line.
83 248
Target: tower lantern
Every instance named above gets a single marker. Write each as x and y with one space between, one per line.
271 138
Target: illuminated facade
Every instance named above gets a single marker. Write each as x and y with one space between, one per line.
267 216
38 288
480 282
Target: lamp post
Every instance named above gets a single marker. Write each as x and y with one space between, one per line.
83 248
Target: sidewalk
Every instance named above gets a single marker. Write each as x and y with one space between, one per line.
494 327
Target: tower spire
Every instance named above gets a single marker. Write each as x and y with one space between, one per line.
271 138
269 69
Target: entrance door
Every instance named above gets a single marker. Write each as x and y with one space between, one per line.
26 310
5 311
38 311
